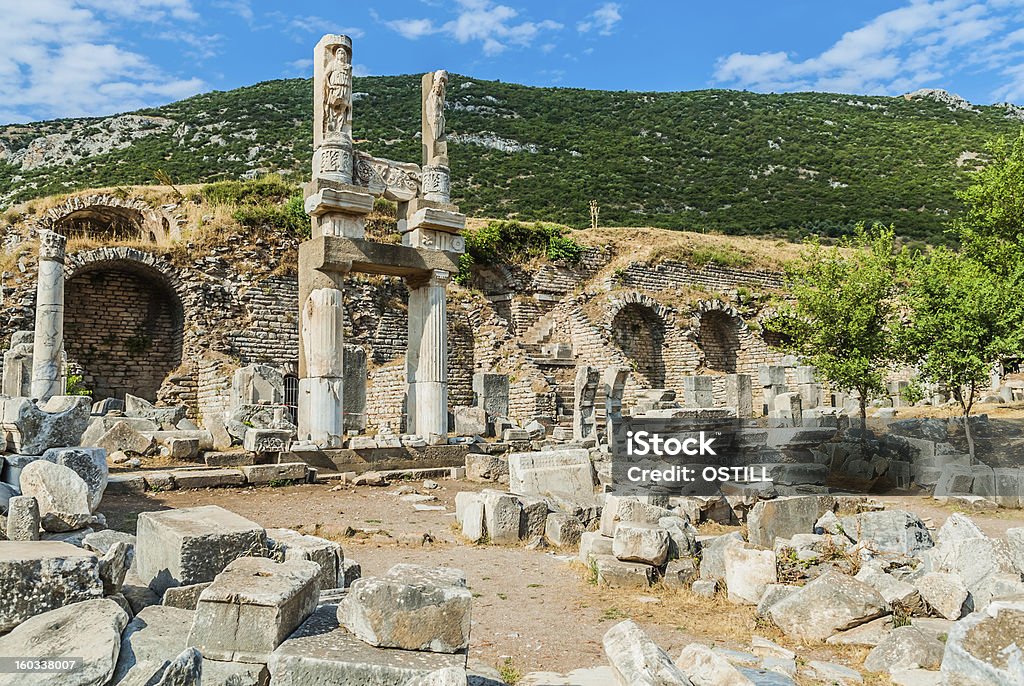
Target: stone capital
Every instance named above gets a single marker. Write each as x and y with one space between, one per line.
51 245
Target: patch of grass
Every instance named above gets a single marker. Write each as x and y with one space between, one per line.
612 614
278 483
510 674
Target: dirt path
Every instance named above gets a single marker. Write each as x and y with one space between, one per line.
531 606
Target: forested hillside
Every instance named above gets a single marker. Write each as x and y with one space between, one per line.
728 161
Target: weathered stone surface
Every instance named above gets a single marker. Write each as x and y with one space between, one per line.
712 554
23 518
985 647
889 531
747 573
773 593
255 384
100 541
682 537
123 437
562 529
184 670
706 588
470 421
630 509
615 573
156 634
484 467
889 587
979 563
593 543
322 652
555 471
449 676
942 593
680 573
502 514
636 660
259 474
184 597
32 429
906 647
958 527
413 608
114 565
178 447
90 630
634 542
267 440
832 673
492 393
166 418
192 545
296 546
88 463
137 594
1015 541
533 516
252 606
706 668
39 576
868 634
472 518
830 603
59 491
782 517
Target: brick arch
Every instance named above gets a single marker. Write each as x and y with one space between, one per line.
638 326
124 321
719 332
108 216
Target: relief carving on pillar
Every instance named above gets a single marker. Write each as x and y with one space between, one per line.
51 245
398 181
336 89
435 141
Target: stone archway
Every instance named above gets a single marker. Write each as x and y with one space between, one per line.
123 321
638 329
718 335
111 218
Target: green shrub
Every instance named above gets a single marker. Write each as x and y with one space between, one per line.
291 216
265 189
516 243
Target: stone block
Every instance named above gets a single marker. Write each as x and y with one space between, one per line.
747 573
252 607
184 597
166 418
192 545
830 603
615 573
470 421
905 647
255 384
739 394
156 634
179 448
327 554
260 474
59 491
557 471
954 479
705 666
646 543
412 608
705 588
1009 485
712 554
594 543
893 590
89 630
533 516
88 463
984 647
39 576
482 467
323 652
32 429
889 531
944 594
267 440
680 573
122 437
562 529
502 515
23 518
698 391
771 375
472 520
206 478
782 518
492 393
637 660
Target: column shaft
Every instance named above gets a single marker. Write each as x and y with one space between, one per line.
48 339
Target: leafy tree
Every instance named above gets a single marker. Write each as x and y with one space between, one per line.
843 311
961 318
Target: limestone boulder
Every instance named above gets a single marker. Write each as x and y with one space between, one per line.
782 518
712 554
979 563
295 546
704 667
484 467
166 418
502 516
748 572
101 541
830 603
615 573
985 647
942 593
562 529
906 647
184 670
90 630
470 421
593 543
23 519
682 537
39 576
88 463
252 607
58 490
892 590
636 660
646 543
123 437
556 471
192 545
889 531
411 608
156 635
32 429
114 565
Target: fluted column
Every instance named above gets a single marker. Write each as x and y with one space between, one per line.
48 338
321 390
427 358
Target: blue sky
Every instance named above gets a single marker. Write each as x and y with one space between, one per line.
62 58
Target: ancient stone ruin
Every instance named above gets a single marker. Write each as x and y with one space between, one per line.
505 408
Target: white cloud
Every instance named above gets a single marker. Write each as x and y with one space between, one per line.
60 59
910 47
602 20
495 27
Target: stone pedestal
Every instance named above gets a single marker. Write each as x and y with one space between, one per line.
48 343
338 209
426 362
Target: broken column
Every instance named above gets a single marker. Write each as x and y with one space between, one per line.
48 344
321 393
426 361
584 421
739 394
355 388
17 379
613 383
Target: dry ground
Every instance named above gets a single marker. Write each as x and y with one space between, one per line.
535 608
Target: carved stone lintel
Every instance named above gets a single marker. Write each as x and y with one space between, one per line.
437 183
398 181
430 239
434 220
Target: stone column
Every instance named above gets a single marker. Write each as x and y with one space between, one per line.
426 362
321 390
48 341
613 382
436 173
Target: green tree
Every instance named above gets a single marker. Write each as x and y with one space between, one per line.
843 310
961 317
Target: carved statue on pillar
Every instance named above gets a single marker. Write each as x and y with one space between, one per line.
436 174
332 109
338 90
